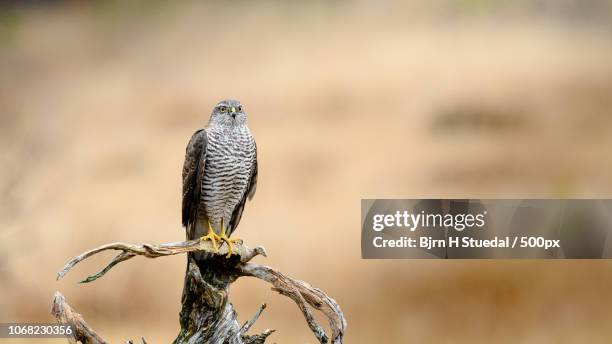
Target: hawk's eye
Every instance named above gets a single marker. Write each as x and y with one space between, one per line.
239 108
223 109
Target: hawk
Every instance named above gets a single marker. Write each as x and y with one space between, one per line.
219 174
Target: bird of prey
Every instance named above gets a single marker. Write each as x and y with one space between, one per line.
219 174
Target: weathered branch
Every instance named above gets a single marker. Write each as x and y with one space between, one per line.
129 251
64 314
303 293
247 325
206 315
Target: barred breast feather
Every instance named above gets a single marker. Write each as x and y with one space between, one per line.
219 174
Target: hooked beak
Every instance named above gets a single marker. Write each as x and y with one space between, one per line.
233 113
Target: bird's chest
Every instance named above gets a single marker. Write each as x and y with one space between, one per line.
229 162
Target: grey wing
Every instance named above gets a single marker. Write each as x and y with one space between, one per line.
250 192
193 169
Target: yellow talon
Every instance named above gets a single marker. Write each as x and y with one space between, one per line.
229 241
213 237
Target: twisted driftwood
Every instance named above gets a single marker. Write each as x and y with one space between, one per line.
64 314
206 315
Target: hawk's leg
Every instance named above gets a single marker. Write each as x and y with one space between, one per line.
212 236
225 238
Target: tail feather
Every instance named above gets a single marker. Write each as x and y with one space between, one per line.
196 230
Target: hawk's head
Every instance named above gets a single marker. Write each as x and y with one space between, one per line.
228 113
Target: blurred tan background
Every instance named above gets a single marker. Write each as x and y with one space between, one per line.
347 100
